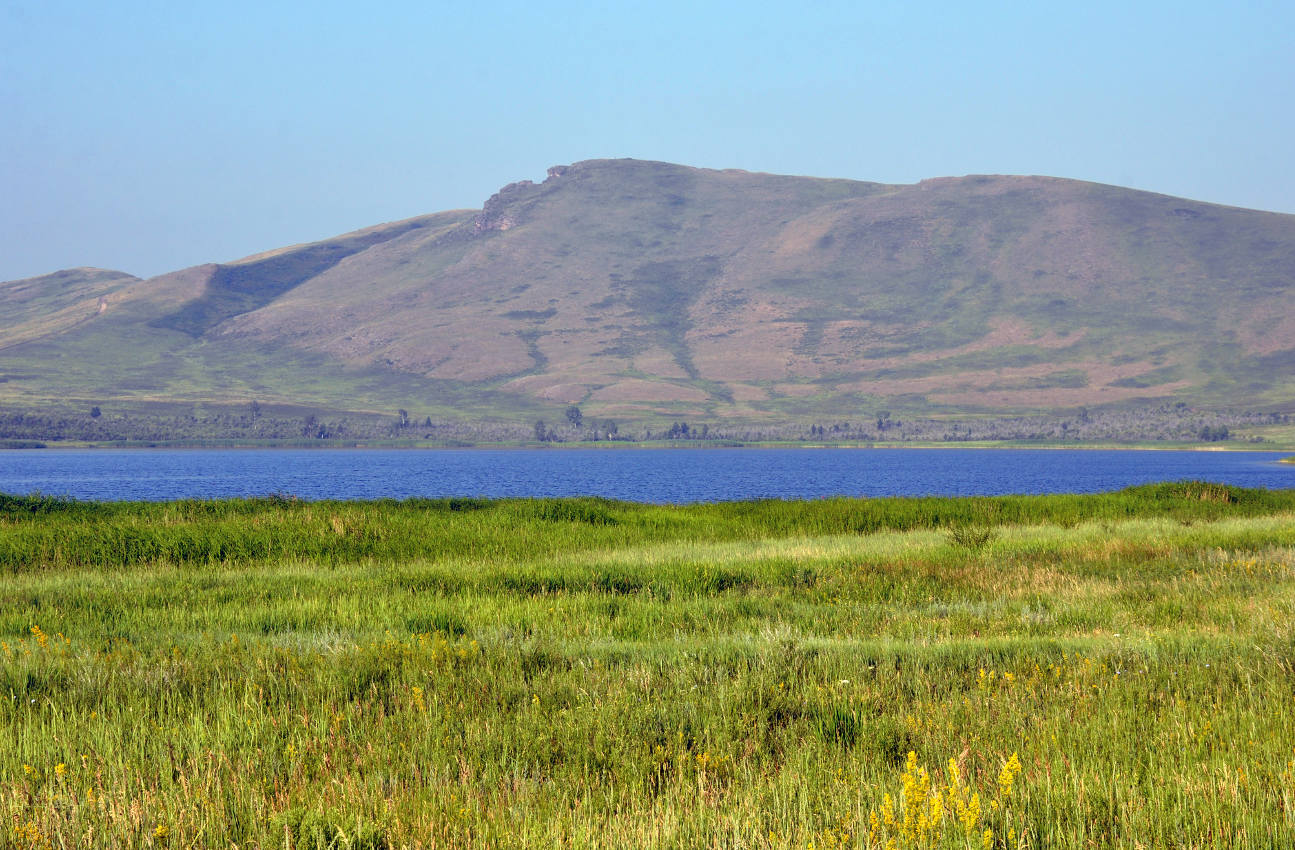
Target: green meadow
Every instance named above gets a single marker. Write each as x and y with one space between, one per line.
1113 670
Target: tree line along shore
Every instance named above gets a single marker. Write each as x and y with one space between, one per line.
254 424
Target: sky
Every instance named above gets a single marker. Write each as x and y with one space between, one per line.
152 136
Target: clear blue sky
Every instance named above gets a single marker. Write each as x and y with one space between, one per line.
149 136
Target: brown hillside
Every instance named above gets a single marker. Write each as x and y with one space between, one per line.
638 288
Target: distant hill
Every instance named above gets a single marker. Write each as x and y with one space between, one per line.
643 290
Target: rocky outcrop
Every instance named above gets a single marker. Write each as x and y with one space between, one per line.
496 213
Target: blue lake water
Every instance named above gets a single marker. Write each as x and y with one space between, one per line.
641 475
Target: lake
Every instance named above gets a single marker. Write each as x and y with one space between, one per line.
641 475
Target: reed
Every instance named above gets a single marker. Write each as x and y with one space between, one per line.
1058 671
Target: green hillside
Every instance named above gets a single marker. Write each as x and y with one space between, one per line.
642 290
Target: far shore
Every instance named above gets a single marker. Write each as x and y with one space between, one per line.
197 445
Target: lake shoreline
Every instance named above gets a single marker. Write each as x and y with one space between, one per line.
617 445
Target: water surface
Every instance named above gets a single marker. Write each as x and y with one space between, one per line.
641 475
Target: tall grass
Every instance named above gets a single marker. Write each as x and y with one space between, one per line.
1089 671
44 532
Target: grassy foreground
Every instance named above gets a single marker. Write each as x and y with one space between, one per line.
1114 670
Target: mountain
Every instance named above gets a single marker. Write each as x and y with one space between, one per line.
643 290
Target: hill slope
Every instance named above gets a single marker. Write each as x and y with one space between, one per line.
642 289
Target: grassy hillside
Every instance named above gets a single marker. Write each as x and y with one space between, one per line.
1058 671
641 290
54 303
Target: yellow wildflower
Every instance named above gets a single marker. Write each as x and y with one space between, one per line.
970 814
1007 777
